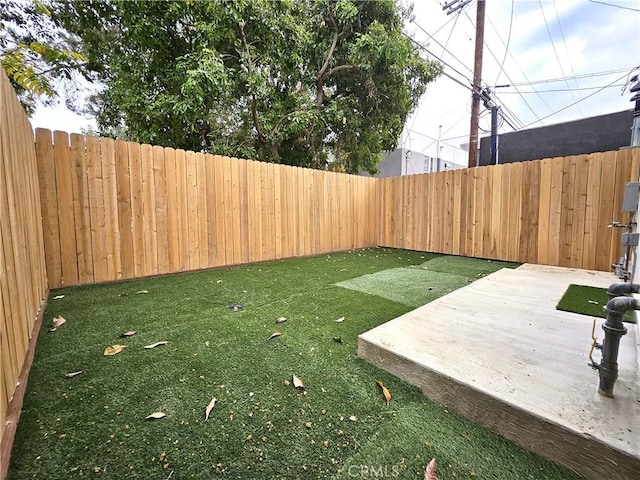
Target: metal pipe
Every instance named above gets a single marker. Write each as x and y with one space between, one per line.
613 331
622 288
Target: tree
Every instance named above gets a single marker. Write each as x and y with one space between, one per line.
292 81
37 56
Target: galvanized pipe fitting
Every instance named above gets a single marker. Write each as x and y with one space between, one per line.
622 288
613 331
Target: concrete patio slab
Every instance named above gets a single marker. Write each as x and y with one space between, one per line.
498 352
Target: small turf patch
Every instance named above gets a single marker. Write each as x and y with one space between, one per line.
472 268
410 286
587 300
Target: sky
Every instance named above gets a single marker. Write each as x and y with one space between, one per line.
590 48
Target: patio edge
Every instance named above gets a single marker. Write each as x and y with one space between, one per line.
580 453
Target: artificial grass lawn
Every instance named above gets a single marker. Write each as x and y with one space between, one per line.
93 425
587 300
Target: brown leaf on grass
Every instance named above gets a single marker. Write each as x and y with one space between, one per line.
113 350
385 391
157 344
142 292
207 411
430 471
73 374
130 333
281 320
58 297
297 381
58 321
156 416
274 335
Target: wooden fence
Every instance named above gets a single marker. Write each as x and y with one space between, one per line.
23 281
114 210
553 211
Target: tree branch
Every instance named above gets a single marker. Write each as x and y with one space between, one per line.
254 101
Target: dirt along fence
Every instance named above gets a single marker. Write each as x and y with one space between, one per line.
552 211
23 280
113 210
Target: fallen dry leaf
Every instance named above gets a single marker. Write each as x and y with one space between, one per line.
143 291
340 320
58 321
58 297
130 333
113 350
353 418
157 344
156 416
430 471
281 320
297 381
207 411
73 374
385 391
274 335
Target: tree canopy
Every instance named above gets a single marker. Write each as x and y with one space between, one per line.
37 56
292 81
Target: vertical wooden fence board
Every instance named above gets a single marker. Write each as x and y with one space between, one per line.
182 210
277 212
221 246
65 213
555 211
487 210
252 213
505 212
623 161
149 210
227 200
125 209
495 230
544 212
567 217
202 227
81 209
244 219
515 206
97 210
318 222
160 199
111 230
607 236
192 209
49 203
579 208
173 223
591 224
138 231
534 211
525 213
259 219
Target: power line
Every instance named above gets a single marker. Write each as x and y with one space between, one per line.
553 46
564 41
506 47
582 99
515 62
561 79
444 48
418 44
617 6
565 90
506 74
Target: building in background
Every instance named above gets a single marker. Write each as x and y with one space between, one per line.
403 161
588 135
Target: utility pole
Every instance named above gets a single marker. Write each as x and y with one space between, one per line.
477 85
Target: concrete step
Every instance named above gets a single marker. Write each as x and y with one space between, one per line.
498 352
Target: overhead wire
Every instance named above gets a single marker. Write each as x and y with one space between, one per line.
564 41
614 5
581 100
553 46
507 75
506 47
584 75
565 90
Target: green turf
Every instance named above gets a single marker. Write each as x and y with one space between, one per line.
417 285
93 426
587 300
